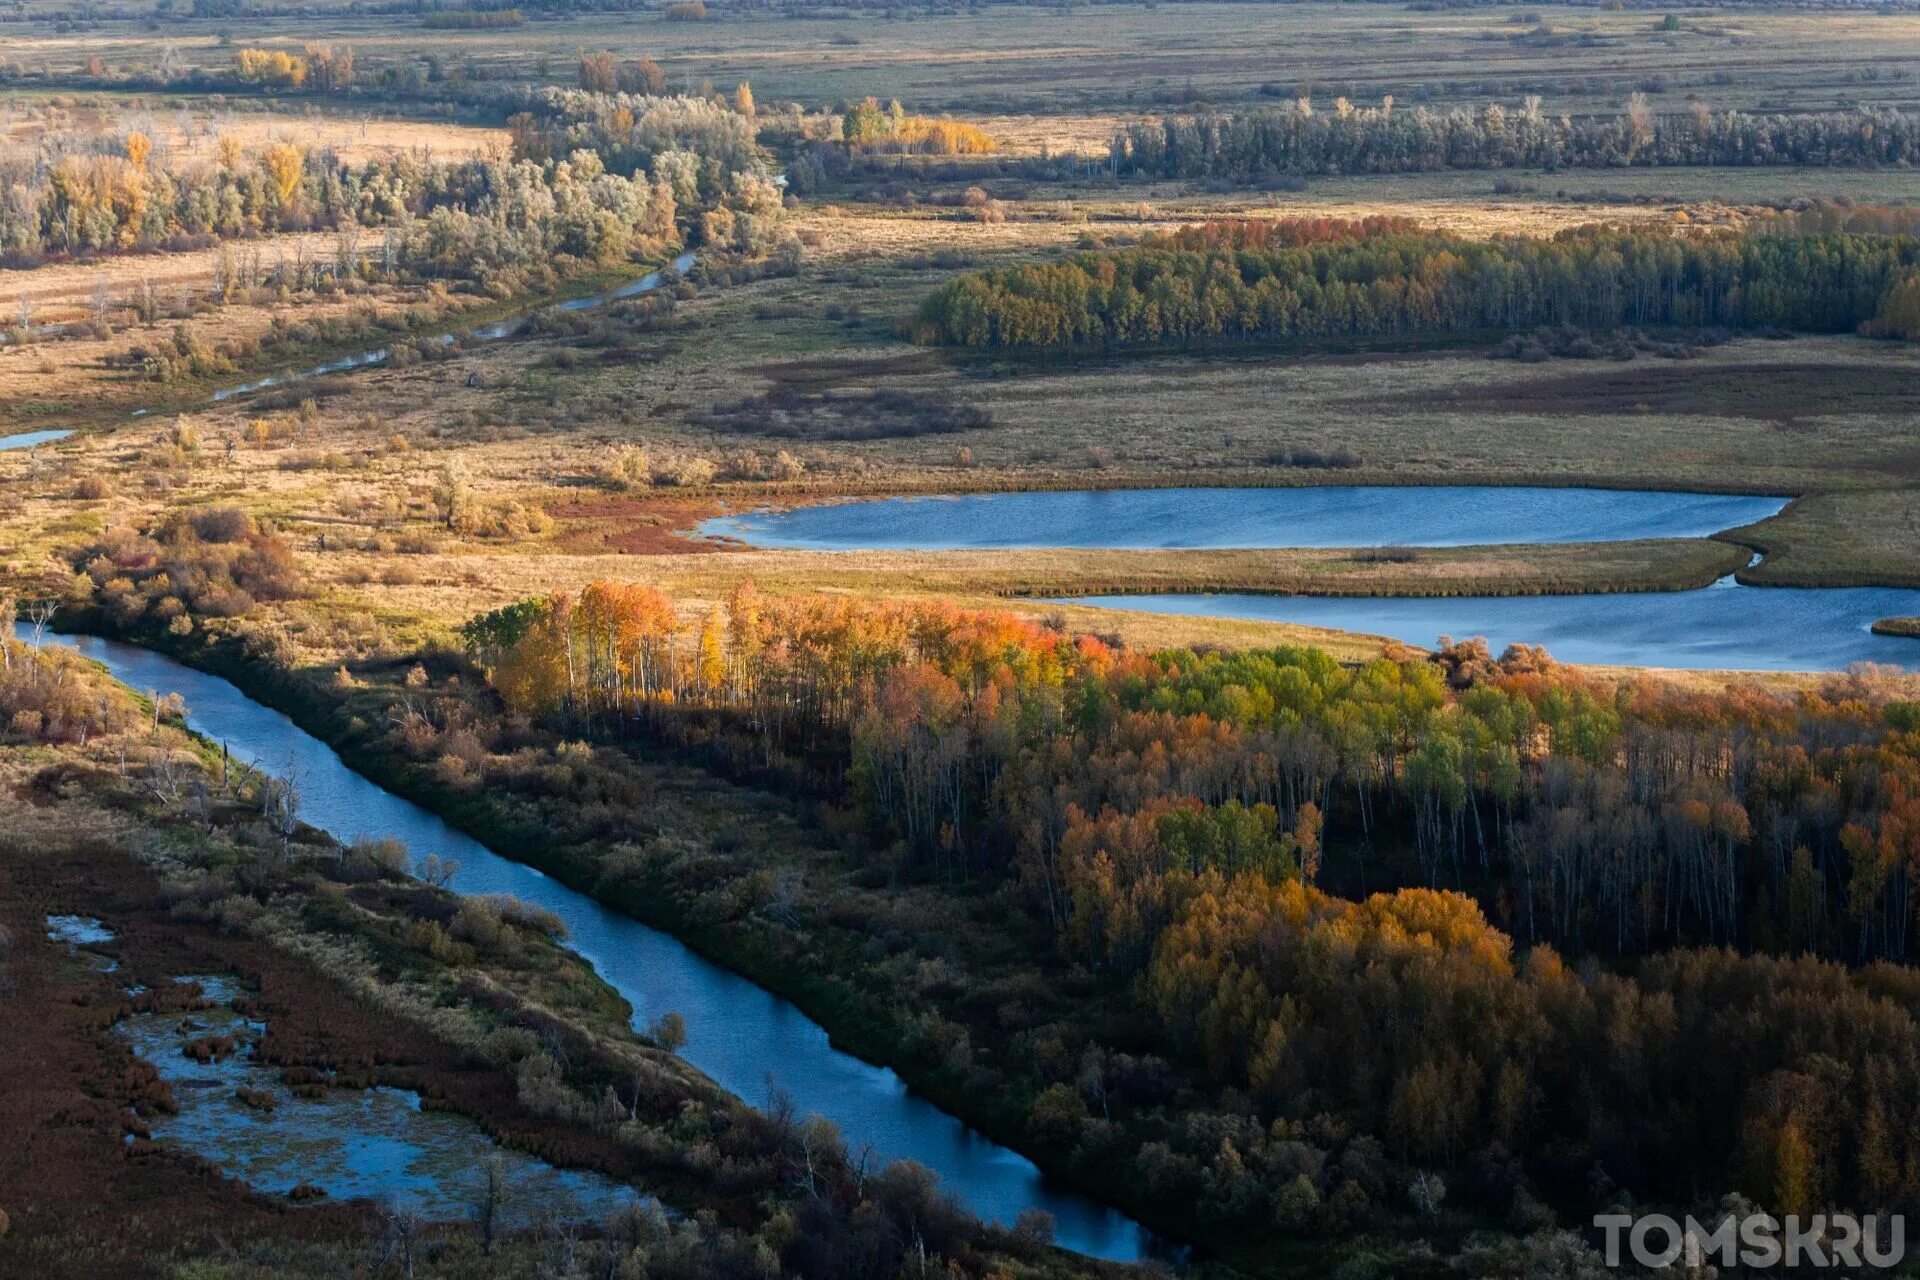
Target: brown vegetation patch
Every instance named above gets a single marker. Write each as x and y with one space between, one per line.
883 413
640 526
68 1181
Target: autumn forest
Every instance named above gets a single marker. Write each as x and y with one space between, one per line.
693 640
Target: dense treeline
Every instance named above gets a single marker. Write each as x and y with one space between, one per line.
1383 277
1610 819
1198 828
75 194
698 153
472 19
634 131
1299 139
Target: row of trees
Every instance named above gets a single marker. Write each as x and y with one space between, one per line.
1200 828
1299 139
75 195
1254 281
679 174
633 132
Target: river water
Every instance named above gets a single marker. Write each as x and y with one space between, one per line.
1722 627
1329 516
742 1036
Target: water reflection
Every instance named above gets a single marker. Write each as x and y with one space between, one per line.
377 1144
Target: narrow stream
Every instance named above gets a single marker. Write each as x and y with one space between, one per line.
484 333
742 1036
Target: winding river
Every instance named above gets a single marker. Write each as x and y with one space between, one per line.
742 1036
749 1040
745 1038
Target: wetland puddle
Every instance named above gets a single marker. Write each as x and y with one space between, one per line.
28 439
377 1144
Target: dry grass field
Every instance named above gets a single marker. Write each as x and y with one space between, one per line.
535 427
63 292
1114 58
1837 417
188 127
540 423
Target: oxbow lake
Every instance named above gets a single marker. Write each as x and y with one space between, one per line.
1325 516
1725 626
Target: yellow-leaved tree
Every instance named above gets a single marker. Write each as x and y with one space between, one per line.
284 163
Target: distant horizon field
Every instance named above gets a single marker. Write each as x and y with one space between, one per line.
1125 58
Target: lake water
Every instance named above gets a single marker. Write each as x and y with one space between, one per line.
28 439
742 1036
1329 516
1722 627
